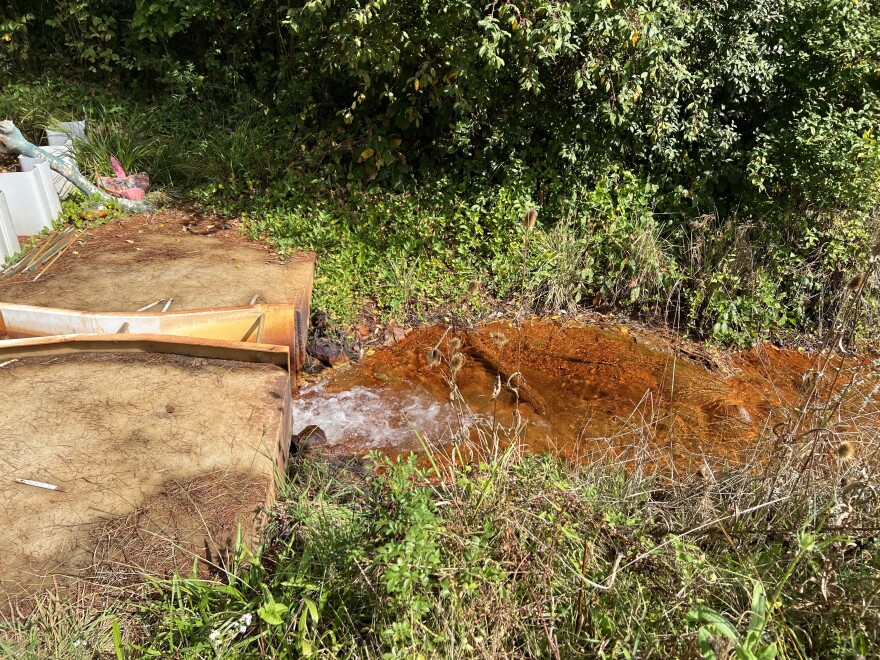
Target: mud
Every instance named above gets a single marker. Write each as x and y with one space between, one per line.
587 390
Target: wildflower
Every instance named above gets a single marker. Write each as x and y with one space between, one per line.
845 450
215 636
455 343
456 362
530 219
433 358
244 622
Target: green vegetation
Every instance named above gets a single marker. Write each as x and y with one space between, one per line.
520 556
484 551
712 164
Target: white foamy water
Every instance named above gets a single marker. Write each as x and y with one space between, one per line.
373 418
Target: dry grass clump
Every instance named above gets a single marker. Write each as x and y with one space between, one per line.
487 551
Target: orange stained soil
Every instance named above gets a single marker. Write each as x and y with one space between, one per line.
587 389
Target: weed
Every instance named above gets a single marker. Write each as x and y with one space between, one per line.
136 140
483 550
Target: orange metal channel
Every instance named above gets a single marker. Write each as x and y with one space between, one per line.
271 324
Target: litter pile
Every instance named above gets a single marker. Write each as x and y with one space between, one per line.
30 200
127 186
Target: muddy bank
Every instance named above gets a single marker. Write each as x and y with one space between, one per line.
584 389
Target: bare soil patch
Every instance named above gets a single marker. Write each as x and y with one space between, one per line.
123 266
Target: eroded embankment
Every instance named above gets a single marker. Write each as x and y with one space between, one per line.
586 389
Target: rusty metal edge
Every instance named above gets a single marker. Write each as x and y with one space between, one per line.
277 322
32 347
302 314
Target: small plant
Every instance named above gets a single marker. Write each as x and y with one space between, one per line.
718 637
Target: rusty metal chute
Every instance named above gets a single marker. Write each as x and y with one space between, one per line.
267 324
36 347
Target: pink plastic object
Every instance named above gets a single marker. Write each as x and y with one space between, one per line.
117 167
132 187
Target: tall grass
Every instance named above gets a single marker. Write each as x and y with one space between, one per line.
140 144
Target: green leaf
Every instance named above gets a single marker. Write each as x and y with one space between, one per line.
758 620
703 614
117 640
767 653
312 608
272 612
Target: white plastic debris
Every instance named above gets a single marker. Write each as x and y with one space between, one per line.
31 198
9 244
62 186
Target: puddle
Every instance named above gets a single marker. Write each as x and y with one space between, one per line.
587 389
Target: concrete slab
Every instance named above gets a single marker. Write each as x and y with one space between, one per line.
159 450
157 459
197 272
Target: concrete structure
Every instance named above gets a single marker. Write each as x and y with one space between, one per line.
139 441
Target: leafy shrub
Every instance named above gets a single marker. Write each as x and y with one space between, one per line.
713 102
632 122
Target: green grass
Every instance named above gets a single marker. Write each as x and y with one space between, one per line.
491 553
518 556
509 554
411 245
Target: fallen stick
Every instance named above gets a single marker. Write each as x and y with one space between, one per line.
152 304
55 243
12 141
45 245
487 356
33 253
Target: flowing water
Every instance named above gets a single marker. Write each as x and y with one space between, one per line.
586 389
